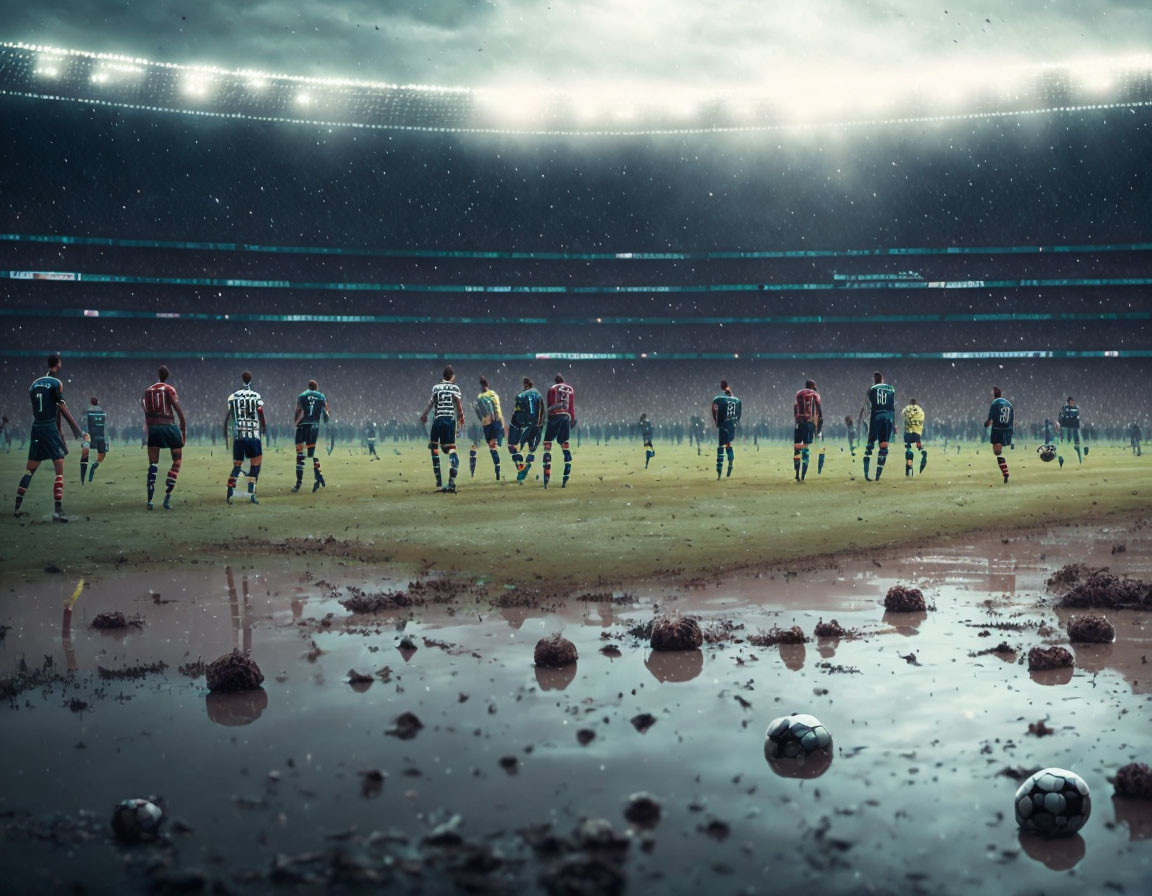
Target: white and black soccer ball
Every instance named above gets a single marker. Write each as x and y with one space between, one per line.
796 735
136 819
1047 453
1054 801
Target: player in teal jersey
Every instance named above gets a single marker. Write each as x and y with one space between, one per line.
726 415
526 428
881 407
47 439
1069 420
646 435
95 436
1000 424
311 408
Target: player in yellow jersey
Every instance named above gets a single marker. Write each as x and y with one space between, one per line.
492 419
913 416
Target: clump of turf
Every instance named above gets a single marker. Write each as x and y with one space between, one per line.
676 632
116 620
777 635
832 629
1043 658
1068 575
1104 590
1134 779
1091 629
233 672
900 599
555 652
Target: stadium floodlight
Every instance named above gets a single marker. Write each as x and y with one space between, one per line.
197 84
304 98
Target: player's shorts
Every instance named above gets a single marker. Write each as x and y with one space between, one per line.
494 431
1071 433
100 446
912 438
558 428
245 448
46 443
165 435
726 432
529 435
1000 436
443 431
307 433
880 429
805 433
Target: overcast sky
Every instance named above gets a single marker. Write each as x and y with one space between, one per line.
568 43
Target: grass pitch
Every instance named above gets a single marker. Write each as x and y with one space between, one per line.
615 522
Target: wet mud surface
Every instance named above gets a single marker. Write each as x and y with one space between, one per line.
403 736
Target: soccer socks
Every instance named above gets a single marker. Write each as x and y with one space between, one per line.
472 461
453 467
719 461
867 460
881 457
253 475
83 463
1003 466
316 474
1079 457
820 460
495 452
436 466
907 461
547 463
92 470
299 468
731 456
923 459
170 480
797 447
152 481
528 461
232 480
58 492
21 489
804 463
648 455
567 465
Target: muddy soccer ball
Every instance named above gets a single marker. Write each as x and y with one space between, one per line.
798 734
1053 801
1047 453
136 820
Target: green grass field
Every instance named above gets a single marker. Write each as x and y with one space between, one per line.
615 522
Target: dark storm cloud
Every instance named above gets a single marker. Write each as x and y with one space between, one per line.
486 42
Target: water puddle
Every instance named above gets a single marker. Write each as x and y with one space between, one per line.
312 781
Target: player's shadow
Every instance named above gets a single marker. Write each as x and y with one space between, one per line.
550 679
1057 853
675 665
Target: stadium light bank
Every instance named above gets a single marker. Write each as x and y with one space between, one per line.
786 102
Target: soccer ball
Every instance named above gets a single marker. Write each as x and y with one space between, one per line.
797 734
1053 801
136 820
1047 453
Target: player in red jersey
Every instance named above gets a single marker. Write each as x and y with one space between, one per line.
161 408
809 424
561 404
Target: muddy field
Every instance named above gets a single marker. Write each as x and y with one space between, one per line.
416 744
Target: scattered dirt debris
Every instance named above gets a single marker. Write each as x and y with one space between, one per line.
233 672
406 726
355 677
606 597
28 677
524 598
116 620
777 635
1106 591
510 764
642 810
1002 648
77 705
360 601
1041 658
723 631
1119 548
140 670
611 651
584 875
1134 779
555 652
1069 574
643 721
585 736
716 829
1091 629
194 669
676 632
1040 728
900 599
1017 773
831 629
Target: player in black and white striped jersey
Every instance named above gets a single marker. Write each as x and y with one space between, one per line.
447 407
246 418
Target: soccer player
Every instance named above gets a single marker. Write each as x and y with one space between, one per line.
311 408
94 436
448 414
561 418
913 417
492 419
47 441
725 414
161 408
1135 436
1000 421
881 405
851 426
646 435
809 419
246 413
526 428
696 433
1070 425
370 438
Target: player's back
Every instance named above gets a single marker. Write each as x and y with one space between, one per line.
311 403
560 399
157 403
726 408
1001 413
45 393
244 405
95 421
882 400
913 417
528 406
807 406
1070 415
445 396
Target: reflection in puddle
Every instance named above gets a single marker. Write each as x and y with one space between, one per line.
232 710
552 679
1051 677
906 624
1135 814
675 665
1056 853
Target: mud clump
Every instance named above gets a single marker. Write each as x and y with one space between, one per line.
555 652
676 632
1043 658
1091 629
117 620
643 721
131 673
900 599
831 629
777 635
1068 575
232 673
407 726
1106 591
1134 779
642 810
361 602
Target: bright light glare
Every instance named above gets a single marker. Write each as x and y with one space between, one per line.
513 104
197 85
304 99
257 84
